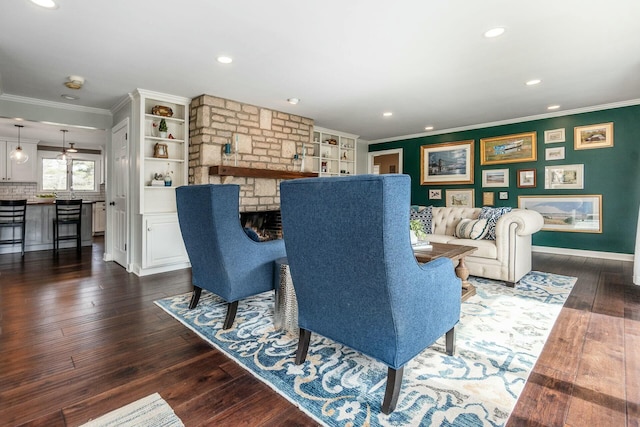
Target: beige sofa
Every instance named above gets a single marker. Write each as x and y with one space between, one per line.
508 258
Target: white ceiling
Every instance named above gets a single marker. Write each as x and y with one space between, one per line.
348 61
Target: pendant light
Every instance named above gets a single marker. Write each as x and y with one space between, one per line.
71 148
17 154
64 157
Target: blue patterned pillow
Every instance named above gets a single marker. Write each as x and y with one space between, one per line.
424 215
492 215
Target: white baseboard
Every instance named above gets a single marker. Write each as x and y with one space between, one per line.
583 253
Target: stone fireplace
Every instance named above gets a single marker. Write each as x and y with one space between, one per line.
265 140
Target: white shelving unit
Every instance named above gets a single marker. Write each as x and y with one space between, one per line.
156 230
331 153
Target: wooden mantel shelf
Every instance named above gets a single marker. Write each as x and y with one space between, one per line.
258 173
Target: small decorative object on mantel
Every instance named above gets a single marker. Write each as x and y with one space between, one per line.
158 180
161 110
160 151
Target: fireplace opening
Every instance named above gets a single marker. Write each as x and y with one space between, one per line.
266 224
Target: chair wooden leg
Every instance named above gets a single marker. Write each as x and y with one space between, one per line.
232 308
303 346
391 393
195 297
450 340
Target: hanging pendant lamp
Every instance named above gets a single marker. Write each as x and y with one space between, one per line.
17 154
64 157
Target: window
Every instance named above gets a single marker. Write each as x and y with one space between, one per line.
82 174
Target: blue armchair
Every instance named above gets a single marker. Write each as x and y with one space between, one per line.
224 260
355 275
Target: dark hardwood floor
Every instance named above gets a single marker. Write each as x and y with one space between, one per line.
80 337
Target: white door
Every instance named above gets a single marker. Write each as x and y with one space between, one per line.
118 205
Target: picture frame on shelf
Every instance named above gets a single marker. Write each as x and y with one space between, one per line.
460 198
566 177
572 213
555 153
515 148
593 136
526 178
160 151
447 163
503 195
495 178
435 194
554 135
488 198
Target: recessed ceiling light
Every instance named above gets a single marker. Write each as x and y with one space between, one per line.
494 32
69 97
428 128
533 82
293 101
553 107
387 114
49 4
224 60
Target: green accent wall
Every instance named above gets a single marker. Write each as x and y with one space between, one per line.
612 172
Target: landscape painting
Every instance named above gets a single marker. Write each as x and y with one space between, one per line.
448 163
567 213
508 149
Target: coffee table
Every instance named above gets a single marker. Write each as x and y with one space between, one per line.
454 253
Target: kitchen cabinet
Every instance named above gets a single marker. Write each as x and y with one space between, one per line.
99 217
10 171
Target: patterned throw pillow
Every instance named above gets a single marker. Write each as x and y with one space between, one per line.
492 215
424 215
474 229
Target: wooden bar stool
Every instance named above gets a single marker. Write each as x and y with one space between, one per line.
68 212
13 215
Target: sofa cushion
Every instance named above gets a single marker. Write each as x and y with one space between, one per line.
424 215
439 238
486 248
473 229
492 215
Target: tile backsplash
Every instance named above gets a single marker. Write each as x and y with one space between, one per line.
28 190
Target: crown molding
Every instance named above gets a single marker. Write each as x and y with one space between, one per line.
52 104
601 107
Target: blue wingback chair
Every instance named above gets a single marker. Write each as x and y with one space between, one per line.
355 275
224 260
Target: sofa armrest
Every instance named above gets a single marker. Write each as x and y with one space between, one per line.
527 222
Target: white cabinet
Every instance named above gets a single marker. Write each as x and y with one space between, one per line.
11 171
331 153
156 237
99 217
163 241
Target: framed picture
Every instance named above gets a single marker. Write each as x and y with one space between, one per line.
160 151
488 198
555 153
593 136
526 178
564 177
508 149
553 136
495 178
435 194
448 163
460 198
504 195
582 213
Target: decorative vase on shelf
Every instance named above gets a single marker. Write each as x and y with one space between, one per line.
162 129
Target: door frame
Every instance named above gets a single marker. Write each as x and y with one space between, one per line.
110 221
373 154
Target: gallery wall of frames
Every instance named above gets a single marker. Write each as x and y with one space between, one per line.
580 171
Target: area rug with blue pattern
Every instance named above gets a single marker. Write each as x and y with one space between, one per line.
500 335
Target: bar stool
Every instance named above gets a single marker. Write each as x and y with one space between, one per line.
13 215
68 212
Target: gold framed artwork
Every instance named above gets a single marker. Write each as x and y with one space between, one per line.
447 163
581 213
460 198
160 151
593 136
488 198
516 148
